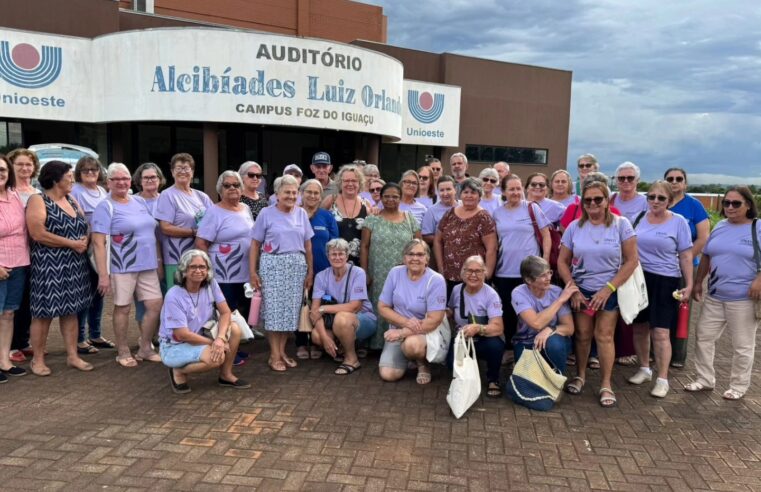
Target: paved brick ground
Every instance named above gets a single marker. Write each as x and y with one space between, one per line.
121 429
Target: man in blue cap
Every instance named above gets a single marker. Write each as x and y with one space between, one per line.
321 168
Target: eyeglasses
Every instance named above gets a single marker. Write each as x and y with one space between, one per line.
436 169
227 186
254 175
198 268
150 178
474 273
409 183
391 197
537 185
677 179
119 180
490 180
586 165
660 198
630 179
597 200
90 170
337 254
376 190
183 169
350 181
732 203
415 255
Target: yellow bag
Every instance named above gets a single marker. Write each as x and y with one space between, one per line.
534 383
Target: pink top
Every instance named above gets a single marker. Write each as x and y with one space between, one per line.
14 245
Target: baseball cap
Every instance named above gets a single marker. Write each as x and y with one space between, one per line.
321 158
292 167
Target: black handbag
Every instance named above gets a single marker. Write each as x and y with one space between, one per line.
472 318
328 318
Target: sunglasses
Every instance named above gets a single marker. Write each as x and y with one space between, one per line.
90 170
490 180
424 178
660 198
622 179
227 186
584 165
537 185
254 175
677 179
375 190
732 203
597 200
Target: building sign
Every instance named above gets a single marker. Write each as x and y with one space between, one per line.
430 114
200 74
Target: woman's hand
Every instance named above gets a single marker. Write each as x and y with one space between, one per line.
600 298
697 291
256 282
578 301
79 245
218 349
329 344
308 281
5 273
413 324
686 293
104 285
569 291
755 289
315 315
540 340
470 330
393 335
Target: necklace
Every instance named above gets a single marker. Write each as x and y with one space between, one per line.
349 215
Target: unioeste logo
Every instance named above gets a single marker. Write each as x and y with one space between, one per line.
24 66
425 107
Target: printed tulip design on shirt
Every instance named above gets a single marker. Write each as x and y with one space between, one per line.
267 248
177 246
227 262
123 251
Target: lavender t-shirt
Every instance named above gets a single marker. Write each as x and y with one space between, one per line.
133 234
659 245
325 283
523 299
229 233
730 247
485 302
569 200
413 299
491 204
631 208
552 210
182 309
596 251
432 218
280 232
182 210
516 237
425 201
416 208
88 199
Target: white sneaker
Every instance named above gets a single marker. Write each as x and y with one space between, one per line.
643 375
661 388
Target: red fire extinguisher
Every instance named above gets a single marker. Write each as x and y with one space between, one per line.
683 320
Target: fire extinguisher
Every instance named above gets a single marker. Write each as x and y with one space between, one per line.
683 320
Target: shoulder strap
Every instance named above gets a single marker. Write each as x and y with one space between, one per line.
346 288
613 198
639 217
537 233
462 302
756 249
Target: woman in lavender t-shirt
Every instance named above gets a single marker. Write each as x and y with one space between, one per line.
537 186
734 286
130 272
178 210
282 238
598 253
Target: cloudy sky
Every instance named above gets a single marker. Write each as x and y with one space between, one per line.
658 83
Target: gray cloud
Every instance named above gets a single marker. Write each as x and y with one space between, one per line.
657 83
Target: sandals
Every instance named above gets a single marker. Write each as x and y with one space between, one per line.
103 343
607 401
302 353
362 353
289 362
571 360
82 365
593 363
151 357
86 349
423 375
628 361
315 353
126 360
277 365
493 390
731 394
39 369
574 388
346 369
694 387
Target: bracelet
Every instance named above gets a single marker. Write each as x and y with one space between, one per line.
481 330
611 287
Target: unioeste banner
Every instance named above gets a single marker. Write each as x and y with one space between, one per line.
201 74
430 114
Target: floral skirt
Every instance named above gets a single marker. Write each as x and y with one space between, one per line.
282 279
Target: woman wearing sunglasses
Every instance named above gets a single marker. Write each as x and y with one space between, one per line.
665 252
697 218
490 179
251 172
598 253
537 186
627 200
734 286
426 190
374 193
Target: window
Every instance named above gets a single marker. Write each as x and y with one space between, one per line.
512 155
10 136
143 6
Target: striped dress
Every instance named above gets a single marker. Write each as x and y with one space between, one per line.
60 281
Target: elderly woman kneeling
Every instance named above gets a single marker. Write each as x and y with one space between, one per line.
413 301
341 307
188 307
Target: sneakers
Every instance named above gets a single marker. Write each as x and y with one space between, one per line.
661 388
642 376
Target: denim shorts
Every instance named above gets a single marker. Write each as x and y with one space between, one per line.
610 305
12 289
177 355
367 326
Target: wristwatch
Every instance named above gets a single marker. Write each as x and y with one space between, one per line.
321 309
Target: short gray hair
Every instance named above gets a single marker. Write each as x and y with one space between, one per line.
593 177
458 154
417 242
473 184
488 172
116 167
182 267
284 180
468 261
308 182
371 168
243 169
628 165
228 174
338 243
353 168
532 267
591 157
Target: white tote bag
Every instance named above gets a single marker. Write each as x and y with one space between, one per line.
437 343
632 295
466 381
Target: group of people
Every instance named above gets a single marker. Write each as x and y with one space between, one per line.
513 263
